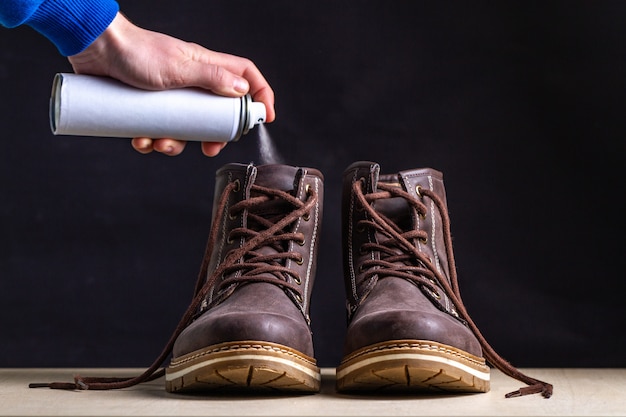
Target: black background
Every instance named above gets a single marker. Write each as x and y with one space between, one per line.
521 105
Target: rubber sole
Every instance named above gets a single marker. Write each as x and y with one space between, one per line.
243 367
406 366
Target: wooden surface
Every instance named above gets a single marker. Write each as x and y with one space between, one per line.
577 392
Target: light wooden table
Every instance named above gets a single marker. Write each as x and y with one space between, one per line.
592 392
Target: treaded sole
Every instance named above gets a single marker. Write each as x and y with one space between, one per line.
406 366
246 366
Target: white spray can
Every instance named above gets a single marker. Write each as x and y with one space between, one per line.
86 105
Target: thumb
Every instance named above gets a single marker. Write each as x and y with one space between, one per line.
216 79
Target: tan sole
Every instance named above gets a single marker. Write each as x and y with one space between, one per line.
242 367
412 366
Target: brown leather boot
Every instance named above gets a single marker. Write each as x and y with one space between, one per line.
404 332
247 326
252 330
408 329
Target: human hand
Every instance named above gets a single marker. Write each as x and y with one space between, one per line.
155 61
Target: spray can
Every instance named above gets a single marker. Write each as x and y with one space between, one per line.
86 105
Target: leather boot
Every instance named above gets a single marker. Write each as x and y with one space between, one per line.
404 332
252 331
408 329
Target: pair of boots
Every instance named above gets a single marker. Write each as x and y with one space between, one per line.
408 329
248 325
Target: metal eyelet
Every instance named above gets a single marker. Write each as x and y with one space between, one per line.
300 261
362 268
434 293
301 242
297 280
229 240
307 190
423 240
299 298
232 216
237 185
418 190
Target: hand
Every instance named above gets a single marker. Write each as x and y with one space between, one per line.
155 61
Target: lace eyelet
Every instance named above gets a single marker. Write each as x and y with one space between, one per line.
306 217
297 280
301 242
299 298
362 250
300 260
307 189
232 216
362 268
423 240
360 228
432 292
229 240
237 185
418 190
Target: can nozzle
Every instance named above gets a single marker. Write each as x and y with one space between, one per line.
257 114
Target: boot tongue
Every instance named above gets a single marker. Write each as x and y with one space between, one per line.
277 177
396 209
280 177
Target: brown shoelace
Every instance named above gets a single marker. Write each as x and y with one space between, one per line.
418 268
262 230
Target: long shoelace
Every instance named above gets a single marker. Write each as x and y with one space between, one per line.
254 266
423 272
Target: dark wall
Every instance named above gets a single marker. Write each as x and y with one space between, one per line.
520 105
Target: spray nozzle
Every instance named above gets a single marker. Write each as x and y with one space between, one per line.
257 114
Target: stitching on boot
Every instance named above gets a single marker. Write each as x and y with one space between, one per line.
432 240
312 246
350 234
241 347
421 346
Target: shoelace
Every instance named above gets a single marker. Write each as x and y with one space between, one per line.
425 273
270 232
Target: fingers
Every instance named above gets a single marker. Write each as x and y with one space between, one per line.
173 147
212 148
142 145
168 147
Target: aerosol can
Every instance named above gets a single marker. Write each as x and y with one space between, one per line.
86 105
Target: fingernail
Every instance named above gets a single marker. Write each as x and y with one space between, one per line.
241 85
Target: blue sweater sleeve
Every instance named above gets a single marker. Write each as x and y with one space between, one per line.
72 25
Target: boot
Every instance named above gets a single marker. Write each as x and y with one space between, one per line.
252 330
408 329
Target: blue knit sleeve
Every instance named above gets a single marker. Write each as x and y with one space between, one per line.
71 25
14 12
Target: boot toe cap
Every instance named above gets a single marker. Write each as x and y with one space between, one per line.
384 326
236 326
